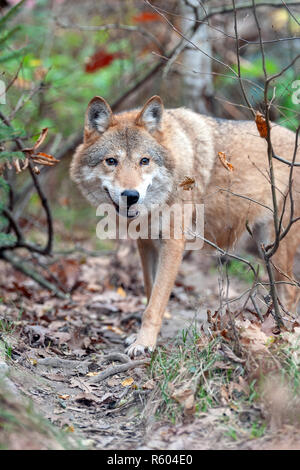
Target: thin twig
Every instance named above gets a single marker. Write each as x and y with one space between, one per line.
238 59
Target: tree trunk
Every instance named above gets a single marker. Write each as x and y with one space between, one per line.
197 81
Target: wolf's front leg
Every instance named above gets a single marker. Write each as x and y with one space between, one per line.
149 250
169 260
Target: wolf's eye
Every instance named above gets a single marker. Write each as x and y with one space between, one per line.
111 161
144 161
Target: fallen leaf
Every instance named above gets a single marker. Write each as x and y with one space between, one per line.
67 272
75 382
121 292
224 395
115 329
127 382
252 336
69 428
268 325
92 374
64 397
113 381
149 385
185 397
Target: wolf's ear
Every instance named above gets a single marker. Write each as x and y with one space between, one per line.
151 114
99 115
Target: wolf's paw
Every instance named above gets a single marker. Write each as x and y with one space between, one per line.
137 349
130 339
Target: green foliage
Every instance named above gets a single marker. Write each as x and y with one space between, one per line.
240 270
7 134
61 70
280 90
254 69
6 240
11 13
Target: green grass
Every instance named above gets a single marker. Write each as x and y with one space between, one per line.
191 359
238 269
195 361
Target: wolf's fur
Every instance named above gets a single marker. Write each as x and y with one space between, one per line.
181 143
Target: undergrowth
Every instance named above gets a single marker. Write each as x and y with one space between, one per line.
199 372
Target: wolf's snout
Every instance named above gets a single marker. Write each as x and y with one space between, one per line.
132 196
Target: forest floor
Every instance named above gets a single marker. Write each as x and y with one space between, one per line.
210 385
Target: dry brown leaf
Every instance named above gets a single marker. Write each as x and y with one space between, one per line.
41 138
185 397
40 157
261 125
70 428
67 272
187 184
167 314
127 382
226 164
224 395
252 336
75 382
268 325
113 381
121 292
149 385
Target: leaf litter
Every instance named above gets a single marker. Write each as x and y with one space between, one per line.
75 347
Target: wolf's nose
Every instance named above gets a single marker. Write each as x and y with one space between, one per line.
132 196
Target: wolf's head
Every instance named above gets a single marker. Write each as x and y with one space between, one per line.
122 159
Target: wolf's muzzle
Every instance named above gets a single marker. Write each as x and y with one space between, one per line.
132 196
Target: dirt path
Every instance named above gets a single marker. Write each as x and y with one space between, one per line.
58 348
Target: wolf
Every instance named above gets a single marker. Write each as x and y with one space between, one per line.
140 158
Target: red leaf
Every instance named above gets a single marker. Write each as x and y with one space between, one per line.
145 17
101 59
